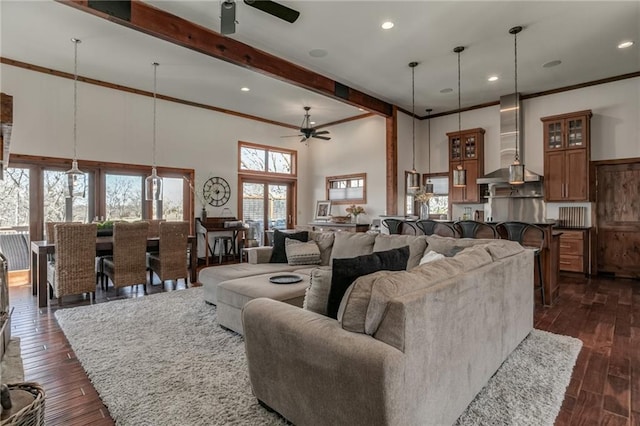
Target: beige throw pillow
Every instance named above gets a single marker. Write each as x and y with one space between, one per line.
317 293
299 253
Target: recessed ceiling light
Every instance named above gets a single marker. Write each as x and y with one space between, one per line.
447 90
552 63
493 78
387 25
360 109
312 122
318 53
625 44
245 89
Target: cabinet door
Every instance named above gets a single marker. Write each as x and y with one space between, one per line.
554 189
576 175
553 135
471 192
456 195
455 148
470 145
576 132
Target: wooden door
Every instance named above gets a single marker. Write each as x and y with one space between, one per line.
576 175
554 176
618 219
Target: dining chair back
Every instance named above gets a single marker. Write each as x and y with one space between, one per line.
127 266
170 263
398 226
474 229
49 227
73 270
154 227
529 236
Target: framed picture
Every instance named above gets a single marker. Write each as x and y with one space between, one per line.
323 210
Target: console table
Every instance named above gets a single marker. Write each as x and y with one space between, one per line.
336 227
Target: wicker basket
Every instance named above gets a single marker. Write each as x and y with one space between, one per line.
33 413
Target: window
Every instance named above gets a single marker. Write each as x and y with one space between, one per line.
265 159
347 189
438 204
267 190
123 197
56 206
172 199
14 199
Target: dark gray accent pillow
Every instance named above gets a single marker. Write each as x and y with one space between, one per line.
345 272
279 253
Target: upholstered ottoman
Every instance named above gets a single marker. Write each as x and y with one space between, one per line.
233 294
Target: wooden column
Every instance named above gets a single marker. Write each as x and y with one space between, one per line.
392 162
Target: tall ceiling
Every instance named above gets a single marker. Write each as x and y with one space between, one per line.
582 35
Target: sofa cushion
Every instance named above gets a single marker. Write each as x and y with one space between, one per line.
325 244
317 294
346 271
451 246
503 248
279 254
417 245
299 253
352 244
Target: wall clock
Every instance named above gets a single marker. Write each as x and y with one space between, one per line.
216 191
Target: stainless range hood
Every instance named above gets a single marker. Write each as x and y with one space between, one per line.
507 148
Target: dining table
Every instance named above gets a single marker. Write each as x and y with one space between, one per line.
40 251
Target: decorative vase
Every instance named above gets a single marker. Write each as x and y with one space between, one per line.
354 218
424 211
203 215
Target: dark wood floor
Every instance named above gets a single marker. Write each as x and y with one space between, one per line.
603 313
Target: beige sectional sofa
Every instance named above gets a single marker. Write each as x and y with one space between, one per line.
408 348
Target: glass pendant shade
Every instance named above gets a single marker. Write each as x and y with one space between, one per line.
428 188
413 180
76 182
459 177
153 186
516 173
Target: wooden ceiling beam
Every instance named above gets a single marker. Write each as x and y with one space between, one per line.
145 18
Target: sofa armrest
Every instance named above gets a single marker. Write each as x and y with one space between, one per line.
257 255
300 363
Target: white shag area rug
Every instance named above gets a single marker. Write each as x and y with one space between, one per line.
164 360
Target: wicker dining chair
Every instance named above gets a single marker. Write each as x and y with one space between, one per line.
154 227
73 270
128 265
170 263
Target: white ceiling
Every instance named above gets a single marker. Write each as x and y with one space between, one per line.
583 35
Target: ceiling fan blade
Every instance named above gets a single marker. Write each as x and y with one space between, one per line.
276 9
321 132
291 136
228 17
325 138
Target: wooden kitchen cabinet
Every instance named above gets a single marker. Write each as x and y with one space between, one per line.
574 250
467 148
567 152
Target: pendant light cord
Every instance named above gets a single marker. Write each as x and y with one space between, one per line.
413 110
155 69
517 108
75 97
459 50
429 142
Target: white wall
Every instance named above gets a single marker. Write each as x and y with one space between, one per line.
116 126
355 147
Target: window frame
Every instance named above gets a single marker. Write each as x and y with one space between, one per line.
97 171
347 178
267 149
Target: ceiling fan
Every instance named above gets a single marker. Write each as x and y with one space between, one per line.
228 13
307 132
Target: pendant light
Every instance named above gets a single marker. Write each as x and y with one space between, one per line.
153 183
428 187
459 173
516 169
76 180
413 178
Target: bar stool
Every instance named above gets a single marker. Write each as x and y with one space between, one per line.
225 246
474 229
397 226
515 231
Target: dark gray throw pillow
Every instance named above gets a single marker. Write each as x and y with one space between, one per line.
346 271
279 252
